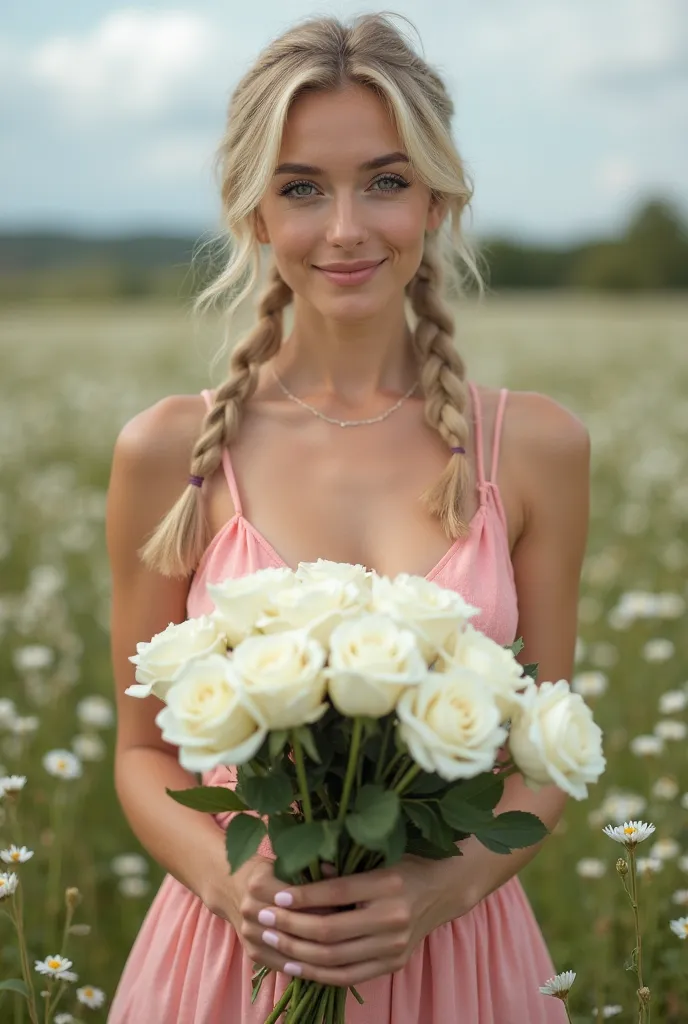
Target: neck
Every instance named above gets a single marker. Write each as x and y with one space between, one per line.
352 360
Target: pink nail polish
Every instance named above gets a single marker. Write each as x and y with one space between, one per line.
283 899
270 938
267 917
294 969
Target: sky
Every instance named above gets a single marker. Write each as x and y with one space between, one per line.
569 113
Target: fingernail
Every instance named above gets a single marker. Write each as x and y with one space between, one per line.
270 938
295 969
267 917
283 899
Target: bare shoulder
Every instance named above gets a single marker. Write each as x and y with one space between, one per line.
150 464
546 449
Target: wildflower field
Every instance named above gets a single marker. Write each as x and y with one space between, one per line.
73 375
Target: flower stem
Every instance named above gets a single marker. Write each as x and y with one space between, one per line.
305 795
350 768
638 941
281 1005
380 767
18 916
566 1007
55 862
407 779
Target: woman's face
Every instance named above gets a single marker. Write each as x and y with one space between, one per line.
332 209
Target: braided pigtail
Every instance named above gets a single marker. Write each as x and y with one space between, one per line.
176 546
442 376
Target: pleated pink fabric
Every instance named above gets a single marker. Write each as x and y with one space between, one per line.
187 966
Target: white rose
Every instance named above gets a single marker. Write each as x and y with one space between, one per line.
282 675
210 718
451 724
346 572
431 611
240 601
317 607
372 661
553 738
497 665
158 661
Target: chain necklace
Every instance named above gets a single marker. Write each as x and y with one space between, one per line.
345 423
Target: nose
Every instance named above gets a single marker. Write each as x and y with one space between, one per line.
346 226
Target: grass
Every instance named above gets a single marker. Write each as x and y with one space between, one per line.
73 375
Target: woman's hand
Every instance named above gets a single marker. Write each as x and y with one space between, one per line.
394 909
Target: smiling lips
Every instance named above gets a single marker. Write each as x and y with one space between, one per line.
353 272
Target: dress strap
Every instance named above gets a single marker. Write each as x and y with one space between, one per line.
226 461
499 419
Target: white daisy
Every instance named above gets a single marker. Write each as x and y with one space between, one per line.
682 863
665 849
680 897
95 711
133 886
665 788
680 927
16 855
591 867
24 725
88 747
62 763
90 996
649 865
64 1018
129 864
592 683
33 657
56 965
672 701
659 649
8 884
670 729
12 784
560 985
608 1011
646 745
684 801
630 833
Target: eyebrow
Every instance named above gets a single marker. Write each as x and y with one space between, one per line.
369 165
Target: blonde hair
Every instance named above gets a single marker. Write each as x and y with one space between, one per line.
321 53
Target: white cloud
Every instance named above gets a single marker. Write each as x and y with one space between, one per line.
616 176
134 64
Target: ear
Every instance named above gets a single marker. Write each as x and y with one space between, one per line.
437 211
260 227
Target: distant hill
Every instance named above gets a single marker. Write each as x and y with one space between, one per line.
651 254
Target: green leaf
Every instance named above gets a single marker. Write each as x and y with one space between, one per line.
421 847
375 814
14 985
328 850
242 839
276 741
463 816
484 790
515 829
395 843
531 669
268 794
297 847
211 799
305 738
516 647
429 823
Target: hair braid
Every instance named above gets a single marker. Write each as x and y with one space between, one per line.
442 376
183 535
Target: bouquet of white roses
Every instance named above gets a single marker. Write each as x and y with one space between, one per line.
367 719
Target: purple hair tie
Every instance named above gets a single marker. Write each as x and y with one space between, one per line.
459 449
196 480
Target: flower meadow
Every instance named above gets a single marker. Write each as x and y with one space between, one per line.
614 872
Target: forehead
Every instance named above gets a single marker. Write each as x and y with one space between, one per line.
347 126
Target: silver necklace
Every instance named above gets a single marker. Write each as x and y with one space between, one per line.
345 423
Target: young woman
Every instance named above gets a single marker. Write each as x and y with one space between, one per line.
357 438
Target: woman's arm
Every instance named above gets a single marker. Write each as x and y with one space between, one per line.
149 471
